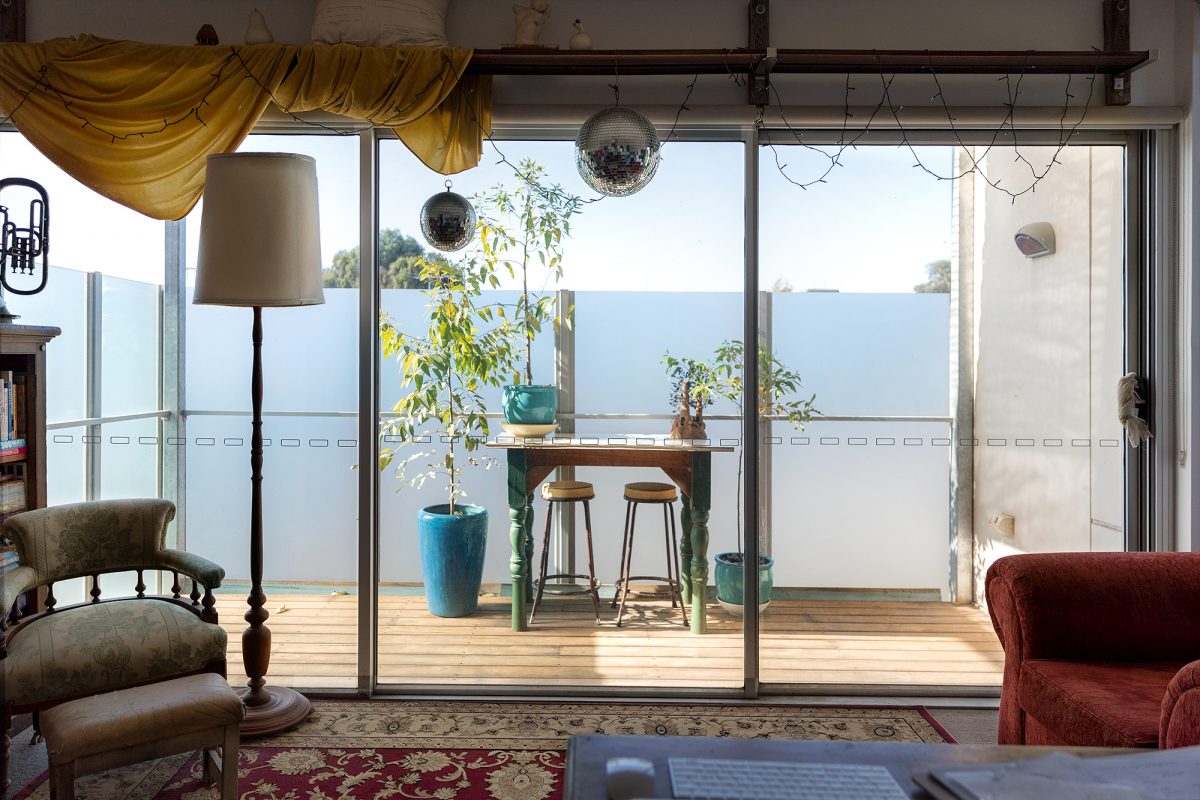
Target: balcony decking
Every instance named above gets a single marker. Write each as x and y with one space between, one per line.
803 642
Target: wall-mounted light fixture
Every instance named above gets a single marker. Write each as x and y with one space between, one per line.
1035 239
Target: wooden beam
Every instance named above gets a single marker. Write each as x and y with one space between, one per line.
1116 37
758 87
722 62
12 20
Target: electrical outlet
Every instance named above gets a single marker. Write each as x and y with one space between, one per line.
1004 524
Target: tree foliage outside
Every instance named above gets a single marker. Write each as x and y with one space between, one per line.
443 372
521 232
468 344
721 377
400 259
937 278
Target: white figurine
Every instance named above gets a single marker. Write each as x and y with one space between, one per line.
581 40
530 20
257 31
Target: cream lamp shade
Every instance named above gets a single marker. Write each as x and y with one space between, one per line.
260 241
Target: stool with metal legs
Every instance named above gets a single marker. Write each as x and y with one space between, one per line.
567 492
663 494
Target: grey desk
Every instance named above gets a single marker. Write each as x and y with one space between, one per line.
588 755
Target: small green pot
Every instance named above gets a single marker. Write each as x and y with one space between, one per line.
530 405
730 586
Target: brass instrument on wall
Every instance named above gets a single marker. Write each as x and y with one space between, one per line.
22 247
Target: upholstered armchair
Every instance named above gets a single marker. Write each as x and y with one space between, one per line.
64 653
1099 648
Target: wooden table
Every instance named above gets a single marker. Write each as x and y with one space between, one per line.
588 755
686 462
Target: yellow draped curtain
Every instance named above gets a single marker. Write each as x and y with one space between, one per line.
136 121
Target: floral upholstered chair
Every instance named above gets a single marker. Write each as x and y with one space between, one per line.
102 645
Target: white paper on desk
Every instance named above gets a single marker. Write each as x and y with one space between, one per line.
1155 775
1006 785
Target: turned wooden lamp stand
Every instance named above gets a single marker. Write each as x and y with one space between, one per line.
260 246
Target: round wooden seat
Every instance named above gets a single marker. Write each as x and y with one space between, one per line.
568 490
649 492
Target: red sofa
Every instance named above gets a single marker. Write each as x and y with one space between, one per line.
1099 648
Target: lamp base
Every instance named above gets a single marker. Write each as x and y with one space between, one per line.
286 708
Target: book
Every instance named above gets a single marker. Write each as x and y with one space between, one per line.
18 404
6 431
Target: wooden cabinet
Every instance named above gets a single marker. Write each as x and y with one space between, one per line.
23 473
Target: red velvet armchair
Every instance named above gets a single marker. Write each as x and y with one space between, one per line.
1099 648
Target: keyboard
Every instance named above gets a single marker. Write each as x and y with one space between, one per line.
733 779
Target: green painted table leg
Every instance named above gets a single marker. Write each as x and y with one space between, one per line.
528 546
699 570
685 550
701 499
518 505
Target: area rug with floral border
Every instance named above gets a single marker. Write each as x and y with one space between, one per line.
463 750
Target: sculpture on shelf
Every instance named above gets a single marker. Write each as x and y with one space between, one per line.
257 31
581 40
530 21
207 35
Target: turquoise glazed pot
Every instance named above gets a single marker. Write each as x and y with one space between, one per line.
452 549
730 588
530 405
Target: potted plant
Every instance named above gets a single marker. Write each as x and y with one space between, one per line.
776 384
444 373
521 232
686 373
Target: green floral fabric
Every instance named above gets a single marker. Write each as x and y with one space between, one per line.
107 646
84 538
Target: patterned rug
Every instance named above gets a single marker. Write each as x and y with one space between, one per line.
458 750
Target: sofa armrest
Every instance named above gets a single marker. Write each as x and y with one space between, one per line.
194 566
12 584
1179 722
1096 606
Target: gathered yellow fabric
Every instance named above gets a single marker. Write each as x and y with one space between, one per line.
136 121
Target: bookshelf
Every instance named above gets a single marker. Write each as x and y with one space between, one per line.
23 415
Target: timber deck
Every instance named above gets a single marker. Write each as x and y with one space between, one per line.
892 643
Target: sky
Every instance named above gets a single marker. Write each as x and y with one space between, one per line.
872 227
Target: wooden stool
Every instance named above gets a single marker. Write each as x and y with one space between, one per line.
665 495
152 721
567 492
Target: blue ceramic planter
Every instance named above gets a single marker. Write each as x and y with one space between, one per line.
530 405
452 549
731 588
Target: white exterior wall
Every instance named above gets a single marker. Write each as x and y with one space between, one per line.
1048 356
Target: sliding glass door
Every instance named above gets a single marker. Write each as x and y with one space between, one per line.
967 387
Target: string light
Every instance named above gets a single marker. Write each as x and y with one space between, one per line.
833 157
1013 92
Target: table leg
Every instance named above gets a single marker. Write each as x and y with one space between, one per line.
699 569
529 546
685 549
701 499
518 507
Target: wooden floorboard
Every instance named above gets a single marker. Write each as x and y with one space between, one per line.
888 643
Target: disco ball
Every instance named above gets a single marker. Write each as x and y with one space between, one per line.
448 220
617 151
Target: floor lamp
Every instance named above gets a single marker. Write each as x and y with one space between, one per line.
260 246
